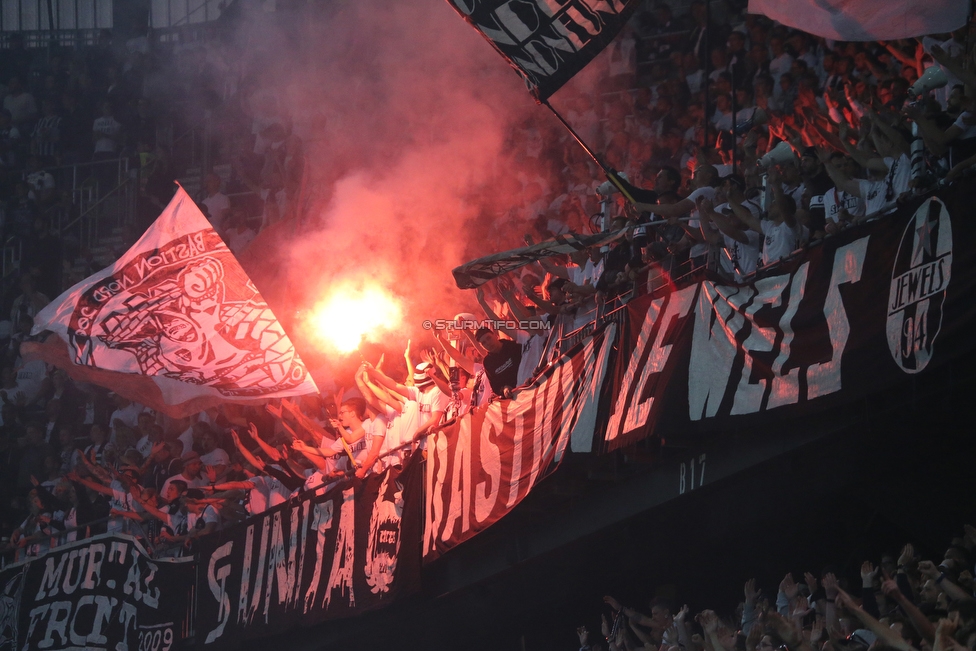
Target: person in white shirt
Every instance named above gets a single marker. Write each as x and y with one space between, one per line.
217 203
723 228
432 401
213 456
704 181
880 196
126 415
20 103
842 208
191 474
264 491
780 62
779 231
106 132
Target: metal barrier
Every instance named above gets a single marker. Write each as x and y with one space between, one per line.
13 251
113 210
176 13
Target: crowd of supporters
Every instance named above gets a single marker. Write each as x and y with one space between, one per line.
903 603
90 461
76 123
821 139
827 126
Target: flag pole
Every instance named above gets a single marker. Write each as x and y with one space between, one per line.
611 174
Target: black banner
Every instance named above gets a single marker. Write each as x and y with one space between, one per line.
347 552
547 41
103 593
480 468
862 311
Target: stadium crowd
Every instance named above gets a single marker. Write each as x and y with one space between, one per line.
903 602
695 115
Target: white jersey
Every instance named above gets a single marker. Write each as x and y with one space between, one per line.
880 196
397 434
121 500
780 241
700 248
267 493
836 201
430 401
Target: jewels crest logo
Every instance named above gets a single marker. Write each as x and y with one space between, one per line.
919 280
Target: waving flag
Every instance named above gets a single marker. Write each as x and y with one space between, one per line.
866 20
477 272
175 324
547 41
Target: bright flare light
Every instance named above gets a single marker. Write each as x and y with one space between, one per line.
349 313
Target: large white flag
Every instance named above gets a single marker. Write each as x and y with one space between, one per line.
175 323
866 20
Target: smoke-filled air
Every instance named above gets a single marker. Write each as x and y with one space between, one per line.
404 112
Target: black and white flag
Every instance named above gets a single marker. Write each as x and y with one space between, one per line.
547 41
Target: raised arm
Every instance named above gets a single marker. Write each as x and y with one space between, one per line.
745 215
250 458
555 269
439 376
368 395
491 314
317 431
271 453
454 353
723 223
921 623
474 344
841 180
151 509
890 638
893 135
516 306
953 591
372 455
678 209
384 380
954 65
100 473
93 485
406 358
311 454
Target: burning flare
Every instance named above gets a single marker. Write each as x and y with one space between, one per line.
351 313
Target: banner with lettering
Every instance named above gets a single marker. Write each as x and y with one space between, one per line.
547 41
351 550
174 324
488 461
102 594
858 313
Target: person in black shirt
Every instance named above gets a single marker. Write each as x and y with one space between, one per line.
502 361
816 181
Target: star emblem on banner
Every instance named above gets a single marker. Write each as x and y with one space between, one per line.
923 236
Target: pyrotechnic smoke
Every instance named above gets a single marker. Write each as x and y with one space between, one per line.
408 158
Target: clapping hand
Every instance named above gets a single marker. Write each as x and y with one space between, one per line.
907 555
751 593
788 586
830 585
708 620
584 636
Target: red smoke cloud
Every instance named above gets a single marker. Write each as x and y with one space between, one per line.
405 112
